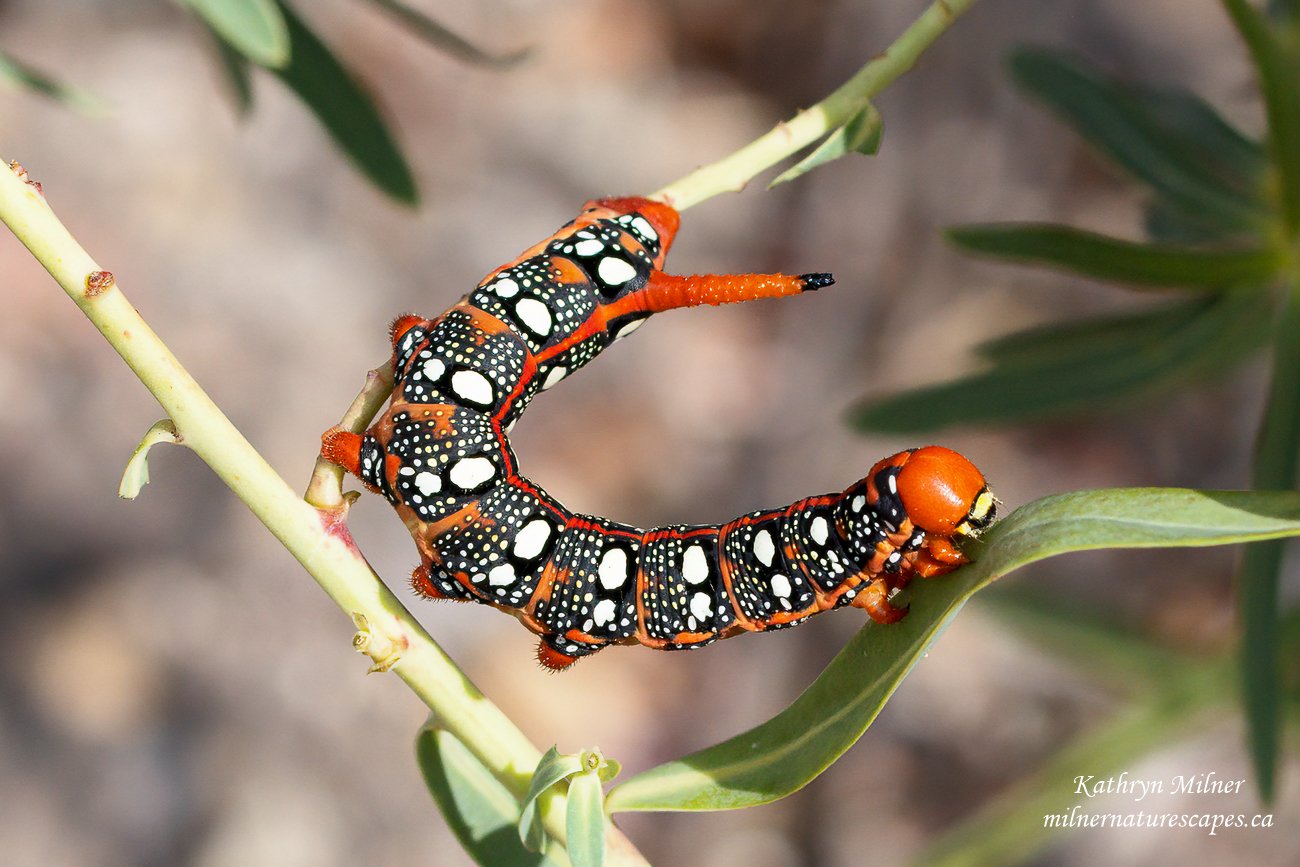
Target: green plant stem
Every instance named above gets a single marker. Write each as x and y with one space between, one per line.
318 538
733 172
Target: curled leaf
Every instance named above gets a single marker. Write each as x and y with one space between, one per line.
136 474
553 768
861 134
480 811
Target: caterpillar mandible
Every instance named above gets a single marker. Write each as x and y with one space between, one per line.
441 456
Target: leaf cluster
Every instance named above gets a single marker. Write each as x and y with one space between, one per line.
271 35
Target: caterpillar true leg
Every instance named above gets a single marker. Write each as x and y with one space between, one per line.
441 456
874 599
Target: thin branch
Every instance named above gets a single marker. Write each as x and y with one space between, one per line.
733 172
319 539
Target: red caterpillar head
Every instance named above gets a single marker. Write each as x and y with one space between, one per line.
943 493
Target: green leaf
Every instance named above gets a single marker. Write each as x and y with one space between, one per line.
1259 582
235 66
254 28
860 134
445 40
1091 640
1279 79
1285 11
479 810
1194 129
136 474
1126 262
1010 829
1125 129
585 818
786 752
1166 224
26 77
552 769
1081 373
1102 335
345 110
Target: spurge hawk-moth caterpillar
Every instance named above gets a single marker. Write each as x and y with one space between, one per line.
441 456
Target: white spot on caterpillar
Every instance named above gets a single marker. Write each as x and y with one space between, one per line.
701 606
434 368
629 328
506 287
534 315
554 376
471 472
428 483
502 575
472 386
695 566
532 538
643 227
588 248
780 585
614 272
820 530
764 550
613 568
603 612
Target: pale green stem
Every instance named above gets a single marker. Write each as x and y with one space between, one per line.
319 539
733 172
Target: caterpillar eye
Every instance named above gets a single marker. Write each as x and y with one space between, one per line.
980 516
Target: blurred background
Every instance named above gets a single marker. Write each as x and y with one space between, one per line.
176 690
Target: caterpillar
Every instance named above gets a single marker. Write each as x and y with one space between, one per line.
440 454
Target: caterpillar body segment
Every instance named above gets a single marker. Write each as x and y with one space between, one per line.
440 454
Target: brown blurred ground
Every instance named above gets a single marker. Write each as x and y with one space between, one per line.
176 691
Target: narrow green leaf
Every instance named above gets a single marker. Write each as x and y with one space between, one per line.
1102 335
585 818
783 754
1125 262
552 769
1194 129
1286 12
1279 79
1091 640
860 134
235 66
1258 585
1082 375
254 28
1126 131
26 77
345 110
479 810
445 40
1166 224
136 474
1022 822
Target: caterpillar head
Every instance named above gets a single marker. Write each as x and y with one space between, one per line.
943 493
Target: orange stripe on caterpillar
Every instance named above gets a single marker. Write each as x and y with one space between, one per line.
441 455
